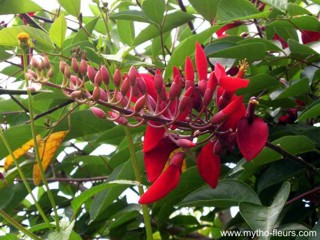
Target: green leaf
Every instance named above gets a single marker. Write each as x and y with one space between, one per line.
9 236
6 195
172 21
311 111
64 233
235 10
296 89
270 46
278 4
300 51
154 10
18 6
206 8
82 34
264 218
9 37
126 31
58 30
187 48
131 15
71 6
77 202
295 10
250 51
228 193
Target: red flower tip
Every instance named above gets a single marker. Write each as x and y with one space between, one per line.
98 112
105 75
188 70
185 143
201 62
177 159
158 81
232 84
162 186
208 165
117 78
152 137
225 113
132 75
91 73
251 137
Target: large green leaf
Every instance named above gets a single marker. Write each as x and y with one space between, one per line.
58 30
300 51
296 89
279 4
187 48
311 111
154 10
264 218
71 6
172 21
236 10
126 31
206 8
18 6
250 51
82 34
64 233
9 37
228 193
131 15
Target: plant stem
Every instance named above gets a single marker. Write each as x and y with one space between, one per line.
36 147
24 180
14 223
145 211
317 189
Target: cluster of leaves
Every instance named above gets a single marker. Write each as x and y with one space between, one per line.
278 189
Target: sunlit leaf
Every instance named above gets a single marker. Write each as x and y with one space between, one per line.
18 6
71 6
58 30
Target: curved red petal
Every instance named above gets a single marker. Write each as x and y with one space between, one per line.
149 80
188 70
156 159
233 106
251 137
235 117
152 137
219 71
162 186
232 84
209 165
201 63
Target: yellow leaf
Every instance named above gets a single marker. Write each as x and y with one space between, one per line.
19 152
47 149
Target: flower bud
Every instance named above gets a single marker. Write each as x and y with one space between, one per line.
74 65
202 86
186 100
142 85
158 81
31 89
185 143
31 75
62 66
91 73
217 147
76 94
103 95
66 71
132 75
140 103
34 62
73 79
125 86
117 78
119 120
175 89
50 73
83 67
45 62
96 93
98 112
208 94
98 78
105 76
177 159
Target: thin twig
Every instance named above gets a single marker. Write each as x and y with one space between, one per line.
183 9
317 189
60 179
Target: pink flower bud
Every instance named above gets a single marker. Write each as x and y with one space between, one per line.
91 73
158 81
32 75
50 73
202 86
83 67
46 62
96 93
98 112
103 95
98 78
31 89
177 159
132 75
73 79
135 91
76 94
34 63
185 143
152 103
175 89
140 103
105 75
67 72
141 85
208 94
119 120
62 66
74 65
125 86
117 78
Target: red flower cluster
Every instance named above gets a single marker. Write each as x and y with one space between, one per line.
231 124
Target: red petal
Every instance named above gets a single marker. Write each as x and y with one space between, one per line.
219 71
162 186
156 159
235 117
149 80
233 106
232 84
188 70
209 165
201 63
152 137
251 137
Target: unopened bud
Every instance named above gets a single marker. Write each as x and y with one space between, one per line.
208 94
91 73
185 143
46 62
158 81
132 75
103 95
31 75
177 159
119 120
66 71
74 65
105 75
98 78
218 118
142 85
125 86
34 63
117 78
62 66
175 89
83 67
140 103
76 94
217 147
202 86
50 73
96 93
98 112
31 89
